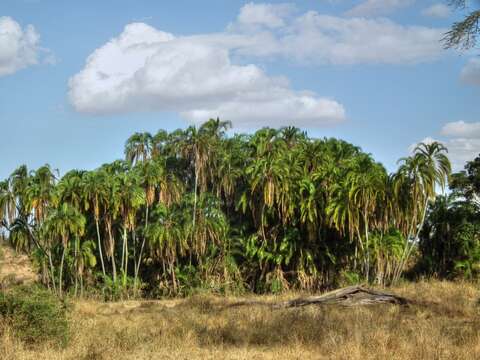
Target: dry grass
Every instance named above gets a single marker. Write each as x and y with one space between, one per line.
15 268
443 324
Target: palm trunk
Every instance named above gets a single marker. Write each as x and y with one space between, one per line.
367 250
112 255
52 269
125 250
355 257
76 267
174 278
81 286
408 249
362 248
122 262
60 281
114 268
100 246
134 240
195 198
137 269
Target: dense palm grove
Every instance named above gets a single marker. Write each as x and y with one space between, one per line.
196 208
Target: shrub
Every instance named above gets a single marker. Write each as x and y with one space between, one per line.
35 315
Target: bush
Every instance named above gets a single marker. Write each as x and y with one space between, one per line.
35 315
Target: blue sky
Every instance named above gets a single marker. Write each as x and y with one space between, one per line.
78 77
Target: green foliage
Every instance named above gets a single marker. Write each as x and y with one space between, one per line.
195 209
350 278
115 290
35 315
450 241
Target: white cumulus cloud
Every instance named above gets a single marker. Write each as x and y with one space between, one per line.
146 69
318 38
268 15
462 129
438 10
370 8
209 75
471 72
462 140
462 150
19 47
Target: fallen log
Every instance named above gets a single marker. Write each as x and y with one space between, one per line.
349 296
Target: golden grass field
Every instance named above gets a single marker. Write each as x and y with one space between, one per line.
443 324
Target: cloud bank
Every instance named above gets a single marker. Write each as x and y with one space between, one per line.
462 140
147 69
210 75
471 72
438 10
19 47
378 7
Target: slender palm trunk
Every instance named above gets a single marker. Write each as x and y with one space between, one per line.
114 268
112 255
409 246
134 240
52 269
137 269
81 286
195 198
60 279
76 266
100 246
125 257
174 278
122 261
355 257
362 247
367 250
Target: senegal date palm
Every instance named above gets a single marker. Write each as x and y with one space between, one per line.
64 223
367 190
40 192
130 198
416 182
158 186
167 238
95 196
139 147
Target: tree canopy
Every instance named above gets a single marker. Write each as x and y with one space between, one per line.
266 211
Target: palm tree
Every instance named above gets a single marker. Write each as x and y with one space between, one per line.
70 188
415 184
19 181
231 160
7 204
139 147
63 223
167 239
84 259
40 191
156 182
199 146
130 198
211 226
367 191
95 196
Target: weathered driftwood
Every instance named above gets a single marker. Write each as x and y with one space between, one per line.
349 296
